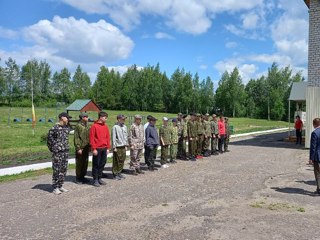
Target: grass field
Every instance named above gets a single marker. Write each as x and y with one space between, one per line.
18 145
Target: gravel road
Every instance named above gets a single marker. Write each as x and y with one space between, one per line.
262 189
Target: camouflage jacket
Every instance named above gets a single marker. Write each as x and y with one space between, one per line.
81 136
136 136
207 128
165 135
192 129
180 128
214 127
58 138
174 135
200 128
185 129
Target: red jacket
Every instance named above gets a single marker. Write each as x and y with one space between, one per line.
298 124
99 136
221 127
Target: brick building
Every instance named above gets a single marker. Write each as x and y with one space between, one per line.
313 88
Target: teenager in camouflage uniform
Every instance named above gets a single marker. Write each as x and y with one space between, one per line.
174 141
100 143
215 135
228 133
207 136
165 142
200 137
136 141
192 137
185 137
82 147
58 144
119 144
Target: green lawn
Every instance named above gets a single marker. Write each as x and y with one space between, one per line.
19 146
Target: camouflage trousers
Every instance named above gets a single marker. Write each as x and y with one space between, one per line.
173 151
214 144
182 148
192 147
82 163
164 154
135 155
226 143
59 167
206 143
200 144
118 160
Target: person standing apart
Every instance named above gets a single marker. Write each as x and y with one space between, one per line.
222 133
207 136
174 141
165 142
100 143
315 151
82 146
119 144
58 144
298 125
200 137
136 142
151 143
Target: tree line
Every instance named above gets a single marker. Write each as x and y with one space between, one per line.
150 89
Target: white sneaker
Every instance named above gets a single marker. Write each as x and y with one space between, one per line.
164 166
62 189
56 191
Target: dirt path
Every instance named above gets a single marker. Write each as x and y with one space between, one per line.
262 189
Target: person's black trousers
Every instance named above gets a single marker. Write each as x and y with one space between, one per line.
98 163
221 142
299 136
149 156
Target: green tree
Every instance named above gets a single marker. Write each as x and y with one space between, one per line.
62 85
12 80
81 84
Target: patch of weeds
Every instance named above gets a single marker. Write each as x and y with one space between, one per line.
6 162
279 206
301 209
258 204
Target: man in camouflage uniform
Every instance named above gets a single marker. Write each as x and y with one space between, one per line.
174 141
180 124
82 147
200 138
165 142
228 133
214 134
136 143
119 144
207 135
58 144
185 136
192 137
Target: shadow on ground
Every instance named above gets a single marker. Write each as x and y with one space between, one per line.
43 187
273 140
290 190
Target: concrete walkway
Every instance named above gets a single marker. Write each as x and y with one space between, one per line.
262 189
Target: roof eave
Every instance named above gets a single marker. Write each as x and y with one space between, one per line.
307 2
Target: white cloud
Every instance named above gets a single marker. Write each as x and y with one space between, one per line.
191 16
80 41
162 35
8 33
203 67
122 69
231 45
250 20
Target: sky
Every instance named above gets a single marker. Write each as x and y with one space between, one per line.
206 37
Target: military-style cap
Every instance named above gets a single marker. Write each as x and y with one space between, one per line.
180 114
82 115
121 116
207 114
213 115
165 119
153 119
185 115
198 115
149 117
174 120
138 116
64 114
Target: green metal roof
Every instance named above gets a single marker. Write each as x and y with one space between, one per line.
78 104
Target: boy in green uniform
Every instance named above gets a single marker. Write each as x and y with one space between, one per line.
207 135
200 131
215 134
165 142
192 137
228 133
174 141
82 146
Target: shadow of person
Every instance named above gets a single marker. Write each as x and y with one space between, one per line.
43 187
310 182
290 190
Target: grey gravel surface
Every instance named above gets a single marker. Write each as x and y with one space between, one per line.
261 189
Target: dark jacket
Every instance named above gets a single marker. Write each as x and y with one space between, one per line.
315 145
152 137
